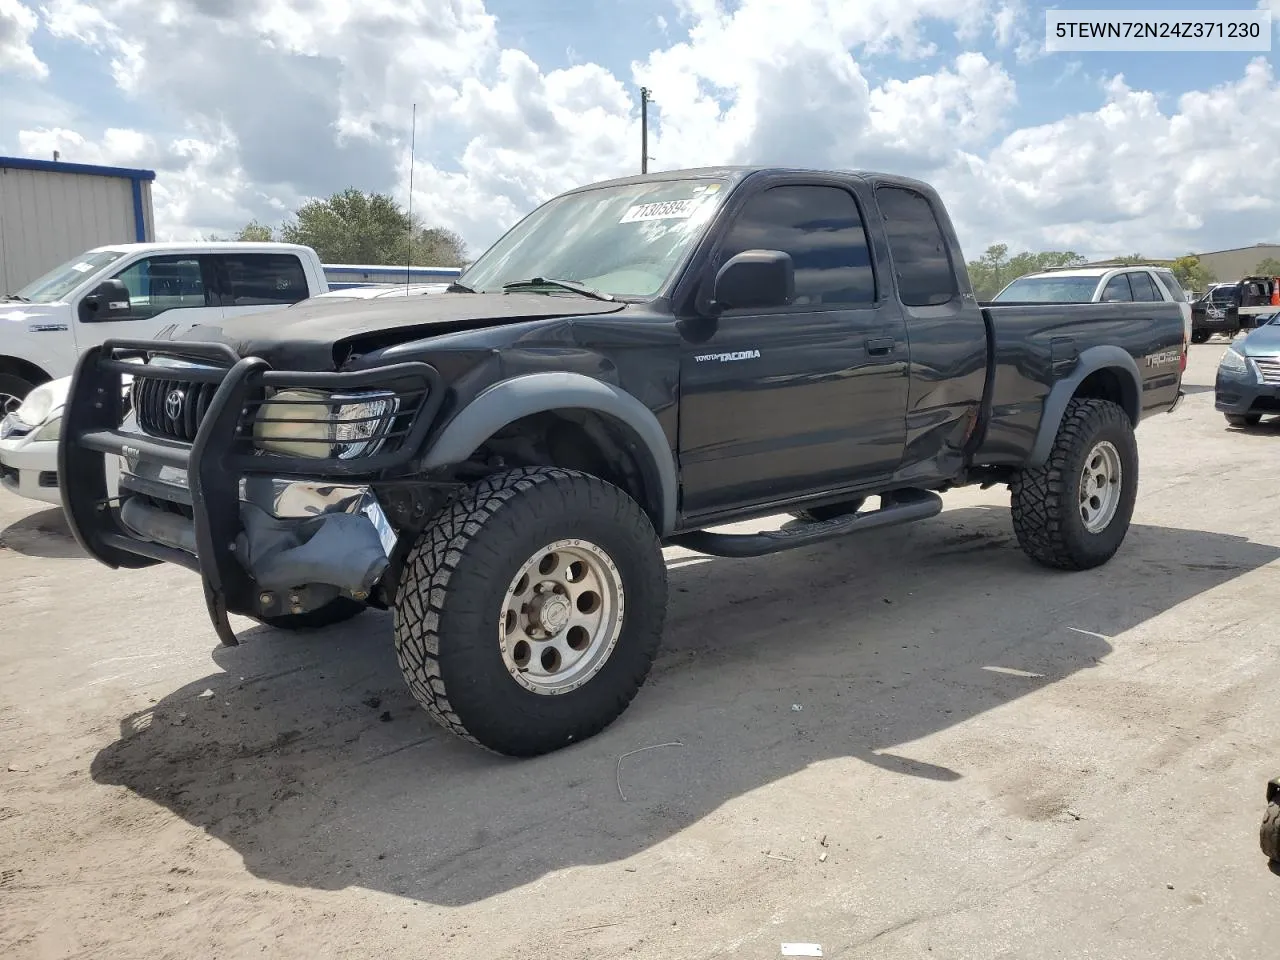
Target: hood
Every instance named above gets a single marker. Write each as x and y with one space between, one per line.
1262 342
319 335
33 317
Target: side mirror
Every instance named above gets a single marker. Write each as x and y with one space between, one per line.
109 301
755 279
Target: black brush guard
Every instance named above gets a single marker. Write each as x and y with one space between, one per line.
215 461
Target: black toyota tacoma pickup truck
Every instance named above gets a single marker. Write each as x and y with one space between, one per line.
632 364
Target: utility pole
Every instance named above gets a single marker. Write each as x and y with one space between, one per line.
644 129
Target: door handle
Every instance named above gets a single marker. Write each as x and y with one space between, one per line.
879 347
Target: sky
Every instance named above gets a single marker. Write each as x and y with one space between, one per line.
247 108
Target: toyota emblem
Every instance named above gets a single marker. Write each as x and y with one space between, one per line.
173 403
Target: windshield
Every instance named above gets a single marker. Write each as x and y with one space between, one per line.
624 240
60 281
1050 290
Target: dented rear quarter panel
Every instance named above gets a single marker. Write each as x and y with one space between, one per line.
1037 346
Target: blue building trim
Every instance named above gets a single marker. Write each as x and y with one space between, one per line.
139 217
57 166
135 178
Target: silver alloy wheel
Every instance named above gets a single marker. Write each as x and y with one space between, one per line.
1100 486
8 403
561 617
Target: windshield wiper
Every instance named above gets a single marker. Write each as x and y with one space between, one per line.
571 285
456 287
14 296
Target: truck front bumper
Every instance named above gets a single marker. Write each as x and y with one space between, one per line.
269 534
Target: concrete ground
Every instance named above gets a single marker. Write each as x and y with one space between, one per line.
912 743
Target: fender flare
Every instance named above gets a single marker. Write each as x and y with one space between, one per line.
510 400
1089 362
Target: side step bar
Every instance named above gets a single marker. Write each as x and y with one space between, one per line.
902 506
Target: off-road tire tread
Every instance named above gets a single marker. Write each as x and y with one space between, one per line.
1041 497
1269 833
434 559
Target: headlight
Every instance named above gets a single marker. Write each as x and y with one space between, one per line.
36 407
1233 362
310 423
50 431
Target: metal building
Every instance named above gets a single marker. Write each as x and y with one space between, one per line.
51 211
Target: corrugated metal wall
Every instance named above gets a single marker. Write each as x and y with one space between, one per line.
47 218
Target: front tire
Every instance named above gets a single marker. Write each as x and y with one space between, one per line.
1200 336
1073 513
13 390
531 610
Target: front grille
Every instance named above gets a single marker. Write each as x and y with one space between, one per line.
172 409
1269 368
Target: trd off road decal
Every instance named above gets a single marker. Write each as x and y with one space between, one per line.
729 357
1164 359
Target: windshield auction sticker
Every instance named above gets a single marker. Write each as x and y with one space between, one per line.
666 210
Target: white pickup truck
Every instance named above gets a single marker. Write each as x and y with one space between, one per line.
133 291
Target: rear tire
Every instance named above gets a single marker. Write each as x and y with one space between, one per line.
335 611
1244 420
830 511
1200 336
1269 835
1063 515
502 639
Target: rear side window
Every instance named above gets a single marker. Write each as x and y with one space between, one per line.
1143 288
1170 283
821 229
919 250
261 279
1117 289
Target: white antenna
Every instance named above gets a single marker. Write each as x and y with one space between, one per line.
413 142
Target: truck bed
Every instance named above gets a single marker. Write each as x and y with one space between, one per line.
1034 345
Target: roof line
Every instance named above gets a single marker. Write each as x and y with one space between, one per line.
1255 246
57 166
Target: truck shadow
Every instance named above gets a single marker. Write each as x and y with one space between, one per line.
312 762
42 534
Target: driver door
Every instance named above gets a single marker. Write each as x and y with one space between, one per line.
164 290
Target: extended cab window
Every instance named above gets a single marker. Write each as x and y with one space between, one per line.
1143 288
821 228
1117 289
260 279
919 250
157 284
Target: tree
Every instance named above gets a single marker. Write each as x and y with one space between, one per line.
1192 274
357 227
992 271
1132 260
1270 267
251 232
255 232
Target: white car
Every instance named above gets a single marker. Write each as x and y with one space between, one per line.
29 435
1099 285
29 445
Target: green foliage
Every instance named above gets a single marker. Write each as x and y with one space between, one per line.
1192 274
1270 267
995 269
357 227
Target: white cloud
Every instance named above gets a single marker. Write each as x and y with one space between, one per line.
1129 177
254 105
17 23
